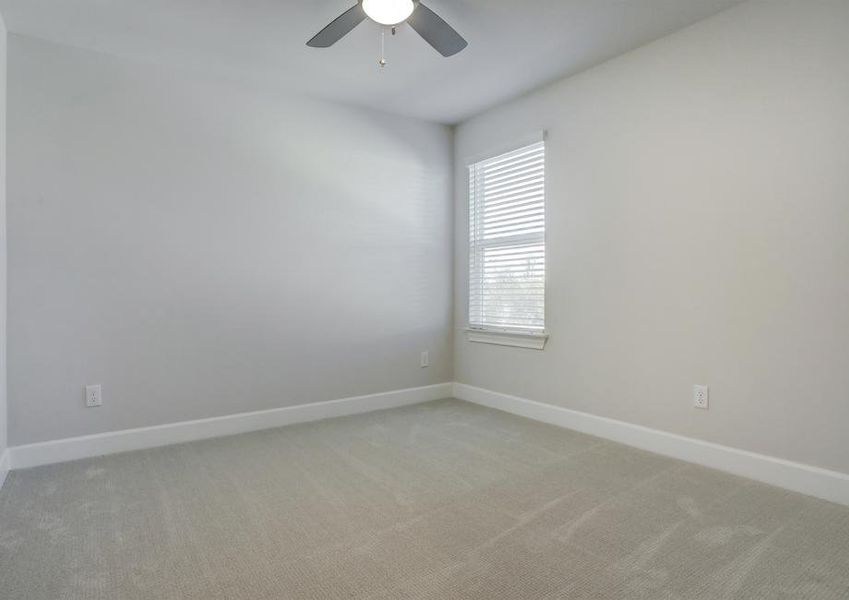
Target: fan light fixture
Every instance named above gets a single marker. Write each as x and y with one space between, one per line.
388 12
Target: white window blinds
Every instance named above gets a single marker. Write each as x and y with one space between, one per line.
507 241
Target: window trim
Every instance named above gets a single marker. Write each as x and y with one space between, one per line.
507 336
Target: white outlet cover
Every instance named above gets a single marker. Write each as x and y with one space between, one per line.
425 362
701 396
93 396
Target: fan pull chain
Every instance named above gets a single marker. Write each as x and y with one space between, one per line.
382 61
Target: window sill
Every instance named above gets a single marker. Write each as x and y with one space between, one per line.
531 341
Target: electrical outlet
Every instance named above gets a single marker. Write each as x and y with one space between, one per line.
93 396
425 362
701 396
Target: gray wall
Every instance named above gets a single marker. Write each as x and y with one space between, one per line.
698 210
202 249
3 435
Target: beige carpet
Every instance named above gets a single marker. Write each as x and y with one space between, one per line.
441 500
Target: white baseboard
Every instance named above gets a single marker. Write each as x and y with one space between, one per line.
813 481
57 451
4 467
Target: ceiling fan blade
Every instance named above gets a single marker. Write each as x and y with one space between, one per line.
339 28
436 31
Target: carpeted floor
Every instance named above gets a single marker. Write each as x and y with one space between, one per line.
441 500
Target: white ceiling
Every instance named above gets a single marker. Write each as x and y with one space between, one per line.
514 46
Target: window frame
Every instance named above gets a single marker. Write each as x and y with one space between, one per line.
489 334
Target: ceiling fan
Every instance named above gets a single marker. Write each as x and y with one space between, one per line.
392 13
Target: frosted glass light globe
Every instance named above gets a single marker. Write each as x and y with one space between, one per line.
388 12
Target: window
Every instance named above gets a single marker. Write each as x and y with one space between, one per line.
507 244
